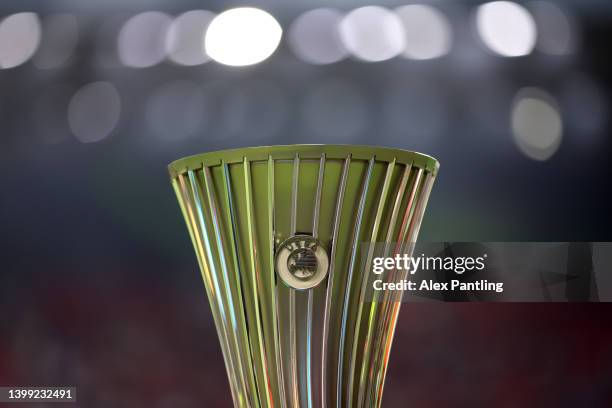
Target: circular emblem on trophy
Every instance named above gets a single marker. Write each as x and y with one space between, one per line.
302 262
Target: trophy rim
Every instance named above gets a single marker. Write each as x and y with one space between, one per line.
305 152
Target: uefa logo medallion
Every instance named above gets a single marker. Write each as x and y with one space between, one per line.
301 262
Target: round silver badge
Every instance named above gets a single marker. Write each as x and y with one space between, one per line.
301 262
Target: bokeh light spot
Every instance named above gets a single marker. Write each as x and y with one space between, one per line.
536 123
314 37
242 36
556 33
372 33
506 28
185 40
142 40
19 39
428 32
93 111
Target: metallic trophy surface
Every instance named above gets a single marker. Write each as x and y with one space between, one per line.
279 233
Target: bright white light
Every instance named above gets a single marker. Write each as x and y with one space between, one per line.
536 124
372 33
428 32
93 111
555 30
185 41
142 39
314 37
242 36
176 110
506 28
19 39
59 39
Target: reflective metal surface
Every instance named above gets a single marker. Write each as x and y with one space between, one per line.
299 342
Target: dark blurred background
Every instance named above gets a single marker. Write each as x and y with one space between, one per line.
99 287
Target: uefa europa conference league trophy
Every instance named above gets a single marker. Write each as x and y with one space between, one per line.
278 233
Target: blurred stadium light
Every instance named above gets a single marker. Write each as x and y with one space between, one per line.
94 111
536 123
434 77
506 28
185 39
408 112
372 33
242 36
428 32
141 41
556 29
19 38
315 37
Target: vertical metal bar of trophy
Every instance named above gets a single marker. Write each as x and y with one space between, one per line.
284 237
